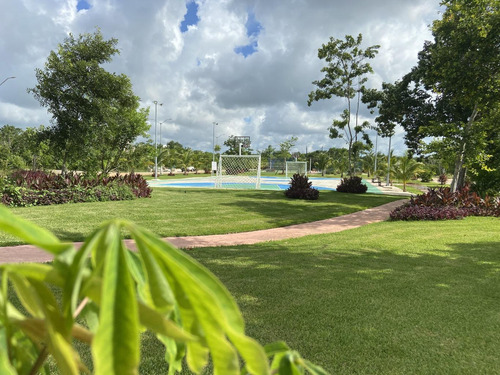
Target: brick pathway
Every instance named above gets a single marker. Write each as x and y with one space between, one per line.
28 253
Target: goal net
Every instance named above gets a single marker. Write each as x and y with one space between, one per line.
293 167
238 172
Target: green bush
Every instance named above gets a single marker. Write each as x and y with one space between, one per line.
425 176
352 184
37 188
301 188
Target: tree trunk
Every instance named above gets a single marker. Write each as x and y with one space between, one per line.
460 172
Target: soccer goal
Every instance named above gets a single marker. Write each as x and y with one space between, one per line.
293 167
238 172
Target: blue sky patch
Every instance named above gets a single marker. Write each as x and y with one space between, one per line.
191 16
253 30
82 5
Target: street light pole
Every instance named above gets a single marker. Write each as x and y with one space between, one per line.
213 140
389 163
6 79
156 147
162 122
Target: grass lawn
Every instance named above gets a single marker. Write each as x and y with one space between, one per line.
181 212
387 298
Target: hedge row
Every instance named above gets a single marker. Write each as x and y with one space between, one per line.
443 204
28 188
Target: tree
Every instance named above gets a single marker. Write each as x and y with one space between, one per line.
138 156
286 146
405 169
323 160
184 157
345 77
457 78
233 142
94 113
340 160
10 151
268 153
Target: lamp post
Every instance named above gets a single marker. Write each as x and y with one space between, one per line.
389 163
6 79
156 147
213 140
162 122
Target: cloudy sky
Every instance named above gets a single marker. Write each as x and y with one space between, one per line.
247 65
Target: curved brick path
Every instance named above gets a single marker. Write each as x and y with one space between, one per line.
28 253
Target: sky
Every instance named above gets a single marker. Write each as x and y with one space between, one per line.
245 65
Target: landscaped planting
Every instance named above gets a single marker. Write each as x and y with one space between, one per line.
442 204
352 184
38 188
301 188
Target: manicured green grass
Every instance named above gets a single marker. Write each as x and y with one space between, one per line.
181 212
387 298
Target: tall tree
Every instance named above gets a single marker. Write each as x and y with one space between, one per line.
94 112
345 76
457 75
233 143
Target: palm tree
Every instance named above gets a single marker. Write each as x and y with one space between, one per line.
185 158
167 157
323 161
368 162
405 169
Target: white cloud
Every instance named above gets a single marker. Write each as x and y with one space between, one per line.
197 74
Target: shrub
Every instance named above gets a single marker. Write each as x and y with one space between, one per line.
441 204
408 212
300 188
35 188
352 184
425 176
443 178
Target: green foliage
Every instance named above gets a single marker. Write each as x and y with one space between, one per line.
455 84
119 293
405 168
352 184
323 161
443 204
36 188
301 188
345 78
425 176
95 113
234 146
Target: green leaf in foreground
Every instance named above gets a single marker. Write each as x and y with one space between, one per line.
121 293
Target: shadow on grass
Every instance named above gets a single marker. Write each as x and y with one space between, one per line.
276 206
367 311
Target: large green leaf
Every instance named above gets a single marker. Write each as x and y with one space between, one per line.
215 311
116 343
161 292
31 233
